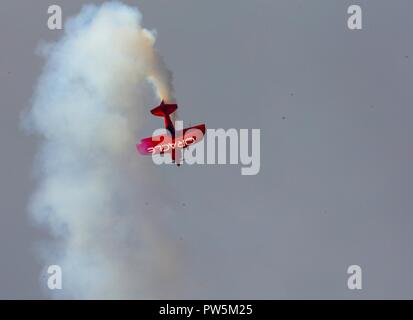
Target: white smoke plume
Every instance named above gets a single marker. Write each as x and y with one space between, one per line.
96 196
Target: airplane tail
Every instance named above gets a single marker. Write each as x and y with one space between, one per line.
164 109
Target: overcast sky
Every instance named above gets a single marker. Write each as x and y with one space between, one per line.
334 109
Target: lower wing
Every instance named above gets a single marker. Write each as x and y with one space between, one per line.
147 145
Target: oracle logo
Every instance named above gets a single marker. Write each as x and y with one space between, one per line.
178 144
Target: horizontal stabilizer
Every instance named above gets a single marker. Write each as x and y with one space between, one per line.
164 109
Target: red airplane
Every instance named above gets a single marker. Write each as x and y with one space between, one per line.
174 141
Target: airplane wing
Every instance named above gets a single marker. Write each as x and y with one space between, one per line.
164 144
193 134
147 145
198 129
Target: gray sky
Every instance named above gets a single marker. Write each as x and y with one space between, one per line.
334 109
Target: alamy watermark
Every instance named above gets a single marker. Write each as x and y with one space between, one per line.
218 146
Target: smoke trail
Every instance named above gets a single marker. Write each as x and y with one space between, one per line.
94 195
